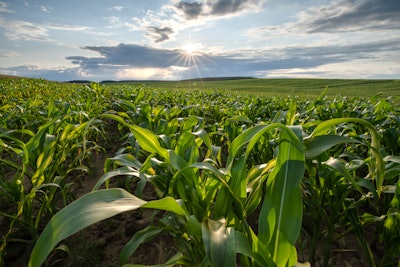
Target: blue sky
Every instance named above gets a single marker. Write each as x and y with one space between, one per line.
173 40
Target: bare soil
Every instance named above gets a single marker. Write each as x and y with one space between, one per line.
100 244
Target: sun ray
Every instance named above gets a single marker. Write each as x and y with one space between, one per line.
190 60
191 48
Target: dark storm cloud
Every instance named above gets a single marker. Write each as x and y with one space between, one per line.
160 34
351 15
215 8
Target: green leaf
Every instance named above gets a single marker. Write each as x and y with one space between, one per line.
117 172
377 164
392 159
281 213
253 248
138 238
148 140
250 137
335 164
219 243
321 144
167 203
177 260
87 210
291 114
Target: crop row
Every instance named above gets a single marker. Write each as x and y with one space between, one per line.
310 171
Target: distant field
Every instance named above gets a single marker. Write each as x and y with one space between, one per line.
301 87
304 88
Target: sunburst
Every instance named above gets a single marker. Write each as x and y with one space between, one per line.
191 49
189 59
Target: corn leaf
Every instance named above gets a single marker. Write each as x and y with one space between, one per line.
219 243
177 260
138 238
281 213
87 210
377 164
253 248
341 168
117 172
320 144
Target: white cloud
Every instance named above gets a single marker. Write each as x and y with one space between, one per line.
180 15
114 22
360 68
24 30
45 9
144 74
8 53
338 17
66 27
117 8
4 7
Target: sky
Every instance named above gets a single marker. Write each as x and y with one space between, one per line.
178 39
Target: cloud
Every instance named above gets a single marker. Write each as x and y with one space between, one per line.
216 8
361 68
128 55
117 8
160 34
350 15
33 71
146 74
131 61
180 14
113 21
67 27
4 7
29 31
45 9
223 7
191 10
7 53
340 17
23 30
124 60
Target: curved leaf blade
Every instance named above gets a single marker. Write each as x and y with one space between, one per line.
87 210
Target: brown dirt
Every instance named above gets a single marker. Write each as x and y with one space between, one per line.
101 243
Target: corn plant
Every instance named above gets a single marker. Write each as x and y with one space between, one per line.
329 180
218 168
37 170
36 161
209 205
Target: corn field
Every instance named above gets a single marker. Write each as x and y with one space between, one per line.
236 180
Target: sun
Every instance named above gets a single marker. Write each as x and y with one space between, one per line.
191 49
190 56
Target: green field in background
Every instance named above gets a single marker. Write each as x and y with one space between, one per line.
284 87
